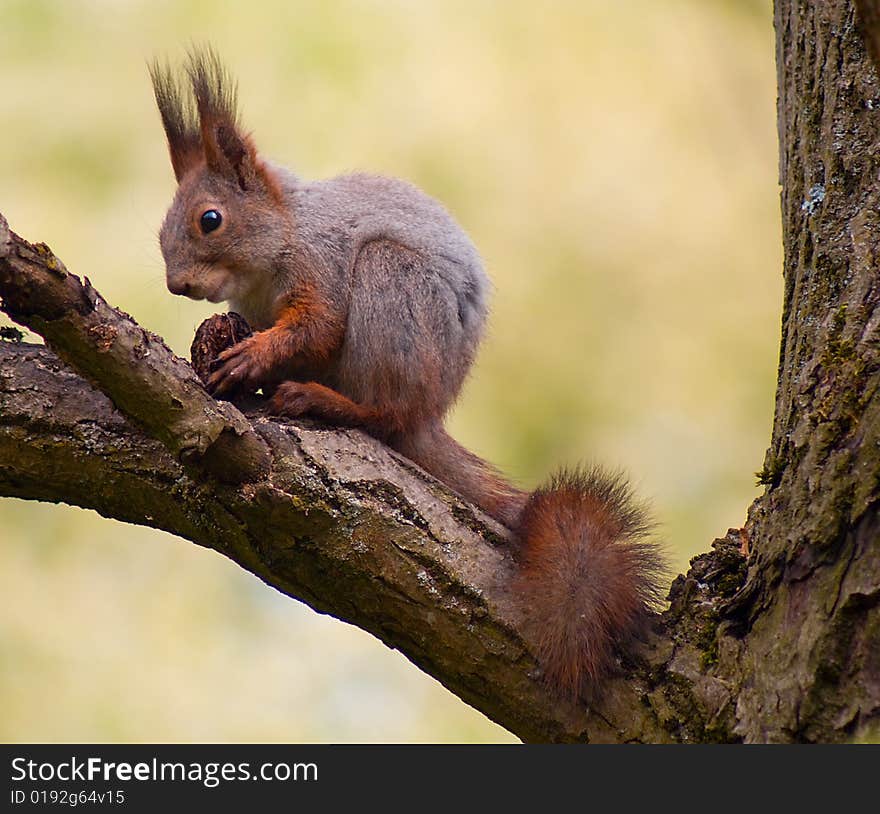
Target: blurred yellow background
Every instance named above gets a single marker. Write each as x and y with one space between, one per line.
615 164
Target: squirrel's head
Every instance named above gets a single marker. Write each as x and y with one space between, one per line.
228 222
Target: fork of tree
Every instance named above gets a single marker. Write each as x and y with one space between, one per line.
773 635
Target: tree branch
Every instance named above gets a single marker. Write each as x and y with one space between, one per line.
331 517
132 366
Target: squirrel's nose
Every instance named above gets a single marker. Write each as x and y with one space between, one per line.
176 287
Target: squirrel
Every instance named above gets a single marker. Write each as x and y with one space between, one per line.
368 302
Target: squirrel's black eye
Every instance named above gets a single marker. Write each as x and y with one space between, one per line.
210 220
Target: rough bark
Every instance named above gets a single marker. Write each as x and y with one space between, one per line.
774 635
809 616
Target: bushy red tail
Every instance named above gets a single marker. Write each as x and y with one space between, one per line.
590 573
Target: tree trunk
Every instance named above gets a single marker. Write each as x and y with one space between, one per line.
774 635
807 656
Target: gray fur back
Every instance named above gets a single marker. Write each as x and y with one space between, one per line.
413 284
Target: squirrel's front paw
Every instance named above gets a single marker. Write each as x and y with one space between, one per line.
243 367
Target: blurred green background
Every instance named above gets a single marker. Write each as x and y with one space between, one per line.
616 165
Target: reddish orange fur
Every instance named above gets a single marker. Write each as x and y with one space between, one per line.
269 179
295 399
303 338
590 574
317 329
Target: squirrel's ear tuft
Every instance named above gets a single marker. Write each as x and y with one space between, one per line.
178 119
228 151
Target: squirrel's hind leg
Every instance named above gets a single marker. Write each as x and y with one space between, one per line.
413 326
294 399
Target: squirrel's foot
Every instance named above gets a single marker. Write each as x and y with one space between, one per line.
294 399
